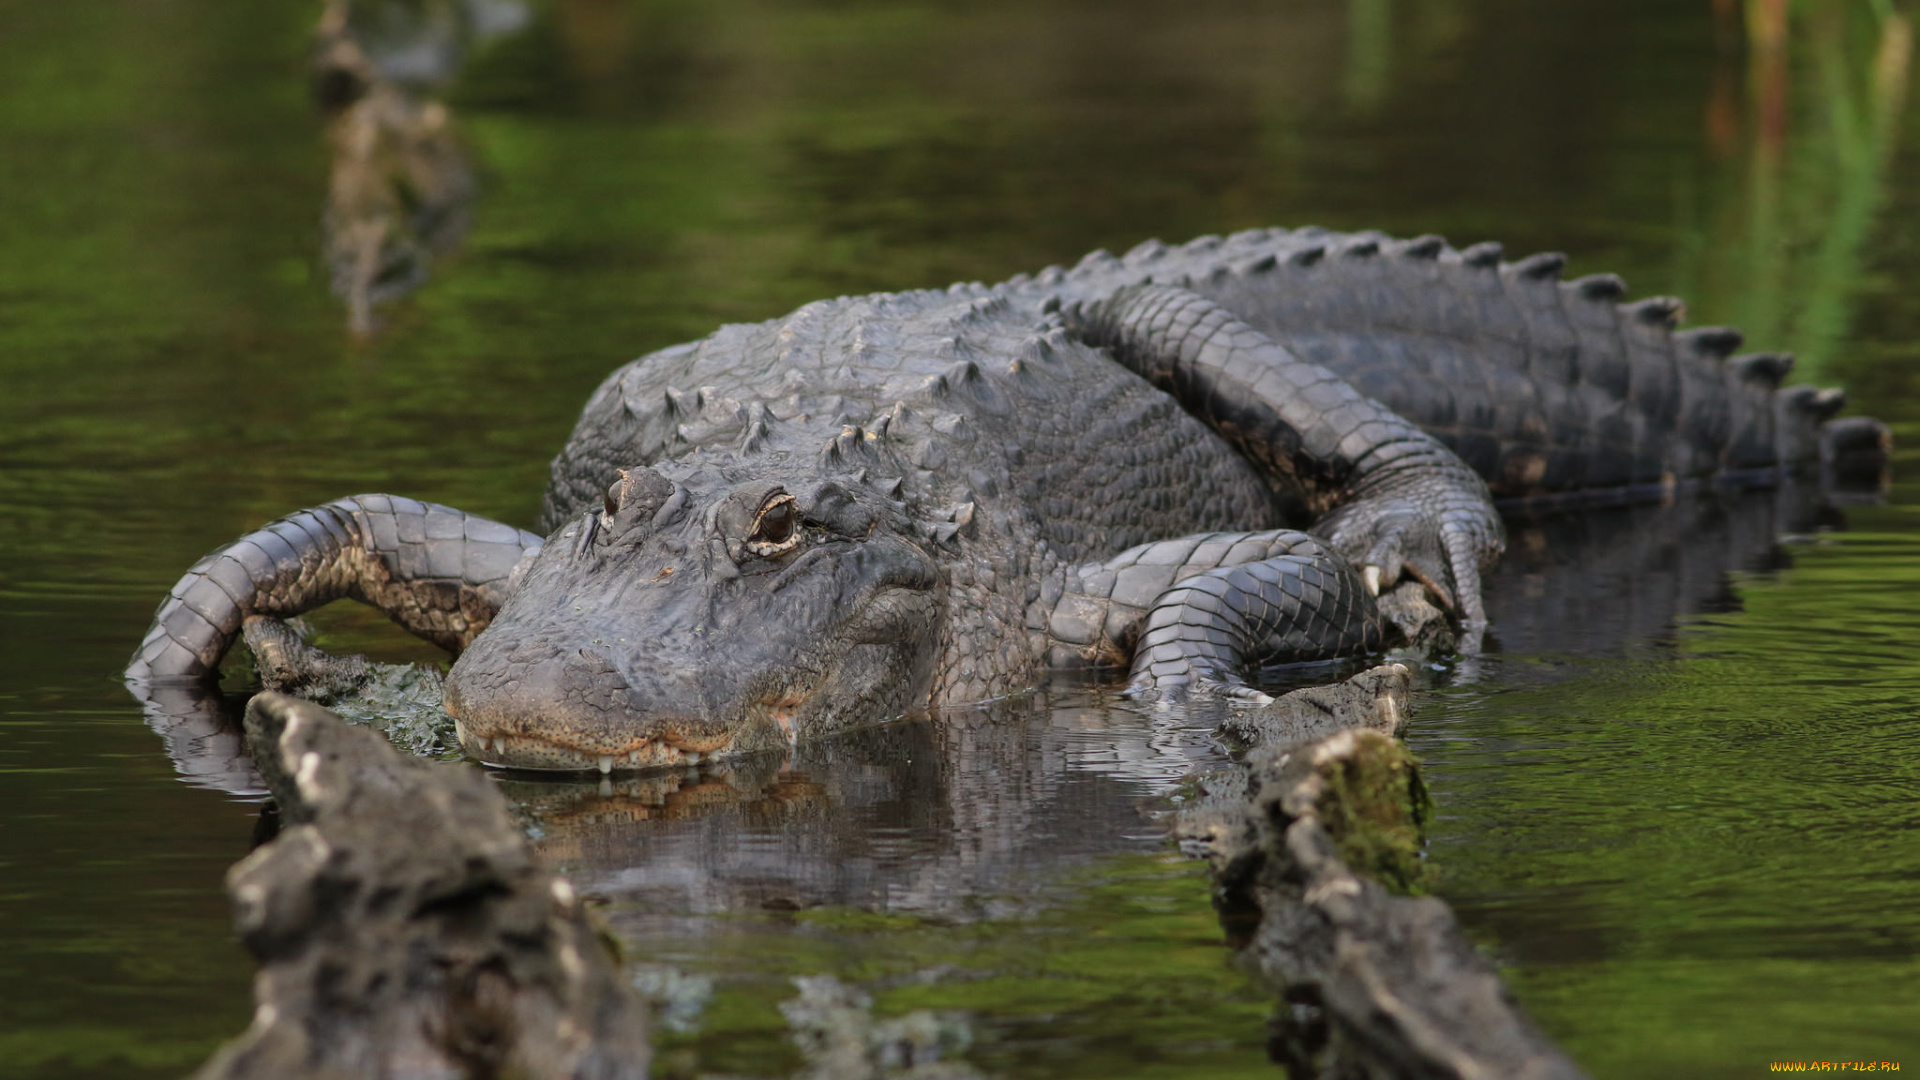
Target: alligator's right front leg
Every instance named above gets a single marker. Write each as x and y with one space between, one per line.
1393 499
1208 609
439 572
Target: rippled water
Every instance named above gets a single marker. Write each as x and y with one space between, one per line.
1679 803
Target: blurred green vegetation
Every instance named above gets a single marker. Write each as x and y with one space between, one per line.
1800 142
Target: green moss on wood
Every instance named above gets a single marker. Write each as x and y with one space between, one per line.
1376 809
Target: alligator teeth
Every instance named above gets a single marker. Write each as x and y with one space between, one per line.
606 764
1371 576
633 756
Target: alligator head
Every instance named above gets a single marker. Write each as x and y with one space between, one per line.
708 608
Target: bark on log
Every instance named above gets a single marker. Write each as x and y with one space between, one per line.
1375 985
404 929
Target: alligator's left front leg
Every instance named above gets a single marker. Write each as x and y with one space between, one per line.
439 572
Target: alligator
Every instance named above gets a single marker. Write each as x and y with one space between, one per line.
1195 461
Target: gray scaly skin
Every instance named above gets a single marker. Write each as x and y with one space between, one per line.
1543 386
437 571
885 503
1378 488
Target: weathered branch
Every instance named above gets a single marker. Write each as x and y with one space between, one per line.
404 929
1376 985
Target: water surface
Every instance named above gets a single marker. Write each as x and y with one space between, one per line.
1679 805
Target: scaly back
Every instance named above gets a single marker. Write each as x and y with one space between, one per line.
1542 385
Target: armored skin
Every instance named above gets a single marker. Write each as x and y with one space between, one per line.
1192 460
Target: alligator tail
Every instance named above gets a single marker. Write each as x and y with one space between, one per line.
1542 385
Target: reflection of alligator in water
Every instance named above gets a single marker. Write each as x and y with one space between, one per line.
903 500
948 817
1588 584
401 187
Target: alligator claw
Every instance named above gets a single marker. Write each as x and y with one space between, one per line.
1244 694
1194 685
1389 538
1469 549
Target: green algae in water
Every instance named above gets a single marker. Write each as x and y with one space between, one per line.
1124 974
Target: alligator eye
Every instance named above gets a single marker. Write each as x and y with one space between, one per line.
775 528
613 496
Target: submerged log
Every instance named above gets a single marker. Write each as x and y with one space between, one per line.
1315 850
403 927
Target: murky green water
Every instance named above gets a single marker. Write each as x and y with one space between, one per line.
1694 848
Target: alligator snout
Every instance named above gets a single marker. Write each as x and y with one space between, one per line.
700 615
584 708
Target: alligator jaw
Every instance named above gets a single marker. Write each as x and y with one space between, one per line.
503 750
783 711
775 719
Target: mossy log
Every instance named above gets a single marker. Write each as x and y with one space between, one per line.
404 928
1315 850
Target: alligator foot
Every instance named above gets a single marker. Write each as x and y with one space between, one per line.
286 661
1394 499
1209 629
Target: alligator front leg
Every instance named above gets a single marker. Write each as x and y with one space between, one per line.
439 572
1209 608
1391 498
